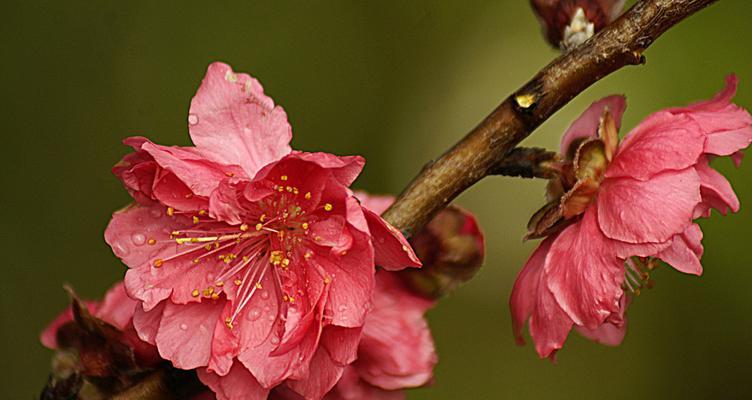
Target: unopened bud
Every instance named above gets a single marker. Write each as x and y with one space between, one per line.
451 248
568 23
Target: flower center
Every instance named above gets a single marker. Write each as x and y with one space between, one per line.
637 273
270 241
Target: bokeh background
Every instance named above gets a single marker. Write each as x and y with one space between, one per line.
397 82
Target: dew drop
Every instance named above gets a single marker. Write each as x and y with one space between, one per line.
184 327
275 340
138 239
192 119
156 213
121 250
343 308
254 314
265 294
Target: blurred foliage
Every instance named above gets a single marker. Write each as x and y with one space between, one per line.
395 81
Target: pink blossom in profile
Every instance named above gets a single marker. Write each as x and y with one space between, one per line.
625 206
250 261
396 351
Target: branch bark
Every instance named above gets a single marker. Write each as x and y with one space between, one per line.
620 44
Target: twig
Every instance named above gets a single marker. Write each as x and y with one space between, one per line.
618 45
528 162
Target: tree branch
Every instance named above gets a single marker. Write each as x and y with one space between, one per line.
528 162
621 43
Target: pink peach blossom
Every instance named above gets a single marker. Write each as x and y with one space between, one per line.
396 351
251 262
625 207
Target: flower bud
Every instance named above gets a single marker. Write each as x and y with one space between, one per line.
451 248
568 23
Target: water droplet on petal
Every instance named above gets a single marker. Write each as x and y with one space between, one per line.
254 314
192 119
265 294
342 308
121 250
184 327
275 340
156 213
138 239
271 318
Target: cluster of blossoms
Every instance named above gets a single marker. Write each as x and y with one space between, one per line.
619 207
255 264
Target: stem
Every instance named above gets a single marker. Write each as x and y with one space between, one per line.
472 158
528 162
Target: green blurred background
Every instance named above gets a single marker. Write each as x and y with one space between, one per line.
395 81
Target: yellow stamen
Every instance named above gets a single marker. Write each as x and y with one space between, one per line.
328 207
276 257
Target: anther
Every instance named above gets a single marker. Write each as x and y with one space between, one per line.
158 262
328 207
244 227
151 242
195 293
170 211
307 196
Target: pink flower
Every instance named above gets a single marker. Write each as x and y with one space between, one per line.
251 262
396 351
618 208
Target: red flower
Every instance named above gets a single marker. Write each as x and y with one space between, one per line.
621 207
251 262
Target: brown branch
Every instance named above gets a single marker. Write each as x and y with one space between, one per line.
528 162
618 45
